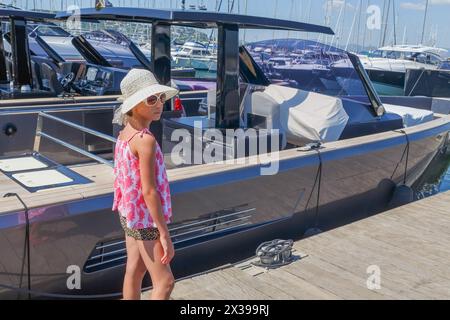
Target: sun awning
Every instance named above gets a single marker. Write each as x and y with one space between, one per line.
196 19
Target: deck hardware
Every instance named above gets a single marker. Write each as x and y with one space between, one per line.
40 133
9 129
35 172
311 146
274 254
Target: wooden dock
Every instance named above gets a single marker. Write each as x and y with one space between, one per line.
408 246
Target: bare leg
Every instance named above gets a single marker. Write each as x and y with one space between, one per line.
162 277
135 271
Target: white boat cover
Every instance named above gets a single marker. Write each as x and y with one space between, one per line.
411 116
302 116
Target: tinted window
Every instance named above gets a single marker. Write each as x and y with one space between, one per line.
317 68
48 30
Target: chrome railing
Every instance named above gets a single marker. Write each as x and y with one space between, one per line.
40 133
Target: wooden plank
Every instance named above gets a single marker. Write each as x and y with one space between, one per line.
356 261
228 287
337 282
255 282
294 286
409 244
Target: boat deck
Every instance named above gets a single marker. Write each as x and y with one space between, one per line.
102 177
102 183
409 244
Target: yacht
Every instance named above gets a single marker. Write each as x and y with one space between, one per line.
195 55
387 66
339 157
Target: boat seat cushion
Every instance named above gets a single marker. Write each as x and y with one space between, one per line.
301 116
411 116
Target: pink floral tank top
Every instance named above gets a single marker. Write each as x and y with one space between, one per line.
128 198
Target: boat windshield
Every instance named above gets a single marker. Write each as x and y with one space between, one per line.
445 65
48 30
312 66
391 54
422 57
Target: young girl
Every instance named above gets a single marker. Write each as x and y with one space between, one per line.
141 188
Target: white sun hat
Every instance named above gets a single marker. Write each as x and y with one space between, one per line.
137 86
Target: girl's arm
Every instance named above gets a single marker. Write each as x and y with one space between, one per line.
146 151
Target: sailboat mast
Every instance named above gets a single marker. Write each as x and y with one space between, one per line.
232 6
395 27
276 10
359 25
351 29
327 21
291 16
386 23
336 28
404 36
424 21
365 31
383 19
309 17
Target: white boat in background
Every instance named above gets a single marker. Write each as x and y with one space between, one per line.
387 66
195 55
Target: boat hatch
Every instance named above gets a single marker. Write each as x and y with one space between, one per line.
21 164
34 172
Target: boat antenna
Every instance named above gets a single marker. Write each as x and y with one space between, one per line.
424 21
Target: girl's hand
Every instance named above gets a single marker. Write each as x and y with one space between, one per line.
168 248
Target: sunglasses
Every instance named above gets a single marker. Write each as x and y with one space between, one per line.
153 100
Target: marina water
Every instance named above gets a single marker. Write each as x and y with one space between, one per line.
436 178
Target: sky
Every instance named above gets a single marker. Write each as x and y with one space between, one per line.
348 18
